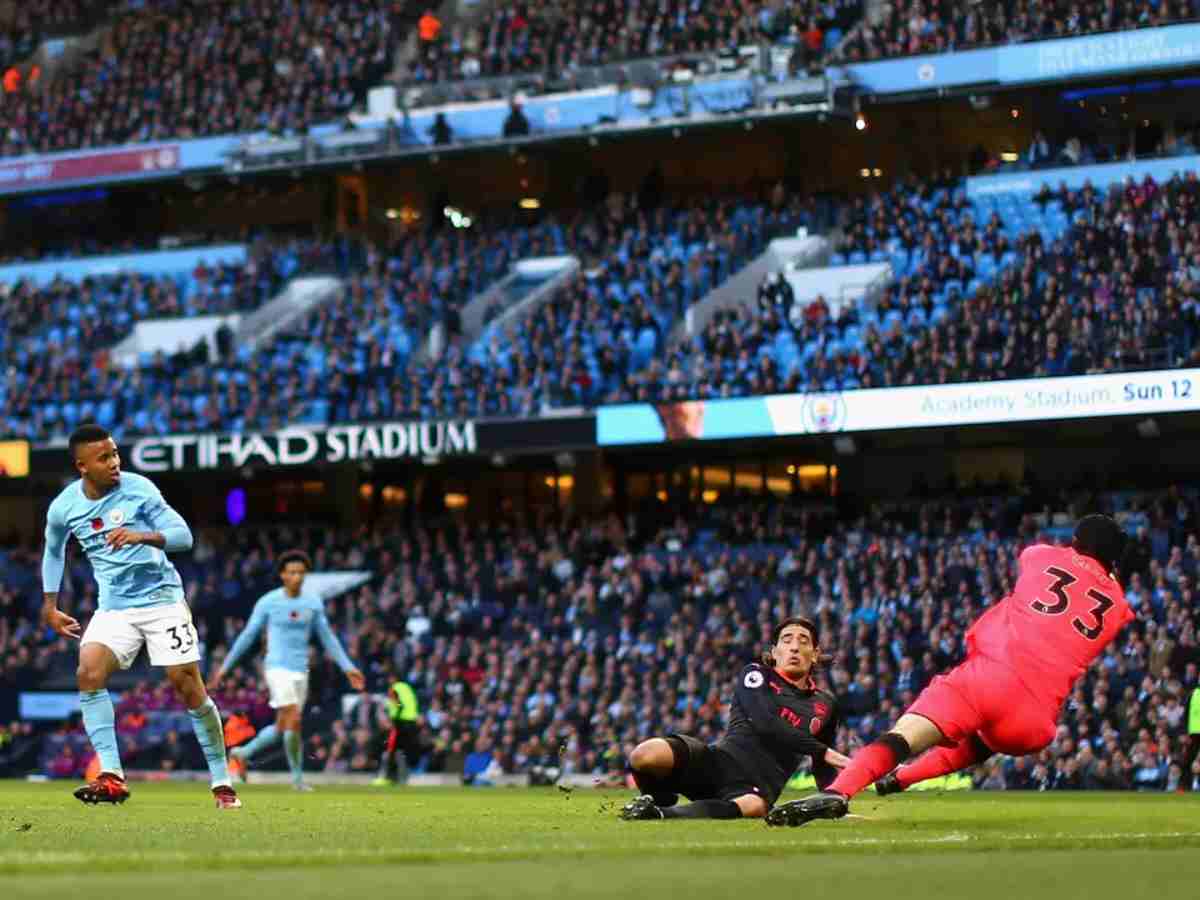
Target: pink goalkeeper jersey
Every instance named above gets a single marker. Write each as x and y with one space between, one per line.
1063 612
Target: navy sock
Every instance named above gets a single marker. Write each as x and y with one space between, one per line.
705 809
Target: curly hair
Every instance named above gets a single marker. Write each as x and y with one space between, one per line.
291 556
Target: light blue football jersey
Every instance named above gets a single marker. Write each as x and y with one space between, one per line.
290 624
131 577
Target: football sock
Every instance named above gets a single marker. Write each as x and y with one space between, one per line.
206 722
268 737
704 809
98 718
385 763
870 764
295 758
942 761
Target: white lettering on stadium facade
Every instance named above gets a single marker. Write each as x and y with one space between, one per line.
297 446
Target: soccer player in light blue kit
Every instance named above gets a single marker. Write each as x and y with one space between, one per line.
291 615
126 529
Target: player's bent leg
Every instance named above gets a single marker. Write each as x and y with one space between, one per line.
288 721
387 759
912 734
713 809
937 762
267 737
653 762
96 665
653 757
206 723
751 806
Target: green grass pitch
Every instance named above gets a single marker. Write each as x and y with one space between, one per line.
168 843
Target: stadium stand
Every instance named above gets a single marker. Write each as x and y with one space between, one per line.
646 268
1005 289
251 66
911 27
583 639
998 288
56 332
556 37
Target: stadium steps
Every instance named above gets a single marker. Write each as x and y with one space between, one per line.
781 254
531 282
299 298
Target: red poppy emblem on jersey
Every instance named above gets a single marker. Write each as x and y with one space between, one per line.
97 524
294 615
815 725
820 709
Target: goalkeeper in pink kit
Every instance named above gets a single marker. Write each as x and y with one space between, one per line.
1024 655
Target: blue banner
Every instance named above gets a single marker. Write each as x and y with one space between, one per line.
922 73
1062 59
1028 183
1102 54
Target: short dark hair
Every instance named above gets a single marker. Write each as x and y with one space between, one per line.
86 434
1101 538
291 556
777 633
796 620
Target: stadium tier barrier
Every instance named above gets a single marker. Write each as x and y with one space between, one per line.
1089 56
151 263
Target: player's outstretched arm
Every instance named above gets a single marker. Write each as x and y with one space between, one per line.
337 652
54 561
244 641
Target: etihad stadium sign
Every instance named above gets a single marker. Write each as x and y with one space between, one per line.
301 445
423 442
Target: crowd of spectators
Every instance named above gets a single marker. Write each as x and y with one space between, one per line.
552 36
911 27
356 357
560 646
197 69
599 331
1071 282
1043 153
55 343
1067 282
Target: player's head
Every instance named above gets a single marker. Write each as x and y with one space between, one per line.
95 457
1101 538
795 647
292 566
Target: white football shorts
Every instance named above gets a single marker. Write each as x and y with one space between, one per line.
287 688
166 631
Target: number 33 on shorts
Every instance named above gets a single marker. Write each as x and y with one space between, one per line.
166 631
